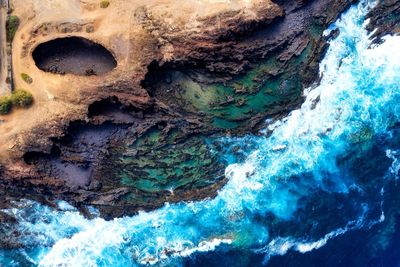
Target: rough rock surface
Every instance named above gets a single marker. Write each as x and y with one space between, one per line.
114 141
385 19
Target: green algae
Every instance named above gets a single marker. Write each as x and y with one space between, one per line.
163 161
266 89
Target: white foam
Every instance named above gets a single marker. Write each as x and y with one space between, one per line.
281 245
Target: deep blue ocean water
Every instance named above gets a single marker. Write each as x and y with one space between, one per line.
321 190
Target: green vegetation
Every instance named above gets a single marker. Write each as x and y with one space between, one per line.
5 105
104 4
26 78
21 98
12 25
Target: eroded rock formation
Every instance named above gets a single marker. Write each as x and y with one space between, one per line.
140 135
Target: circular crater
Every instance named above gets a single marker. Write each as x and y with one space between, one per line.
73 55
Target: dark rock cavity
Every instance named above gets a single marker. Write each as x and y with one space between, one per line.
73 55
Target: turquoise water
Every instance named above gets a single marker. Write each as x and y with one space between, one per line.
285 197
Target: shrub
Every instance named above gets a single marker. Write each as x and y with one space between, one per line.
104 4
21 98
26 78
5 105
12 25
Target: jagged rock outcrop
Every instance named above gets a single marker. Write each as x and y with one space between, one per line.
385 19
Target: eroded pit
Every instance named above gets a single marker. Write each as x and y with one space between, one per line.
73 55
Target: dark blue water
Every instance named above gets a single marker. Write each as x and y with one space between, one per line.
320 191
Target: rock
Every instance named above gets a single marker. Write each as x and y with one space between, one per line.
89 28
90 72
384 19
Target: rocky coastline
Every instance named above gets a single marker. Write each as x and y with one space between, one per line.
142 140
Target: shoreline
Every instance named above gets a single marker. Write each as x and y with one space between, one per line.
122 123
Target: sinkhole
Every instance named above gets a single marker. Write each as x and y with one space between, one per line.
73 55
